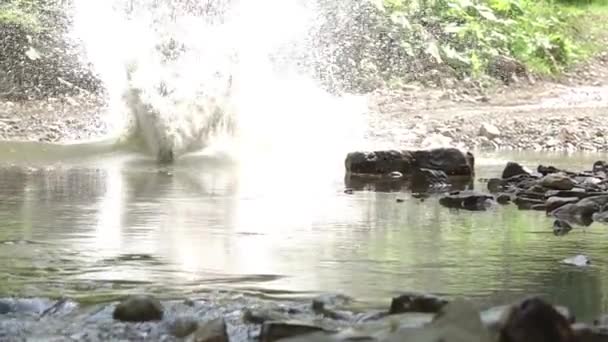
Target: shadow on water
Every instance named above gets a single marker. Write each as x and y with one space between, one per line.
99 228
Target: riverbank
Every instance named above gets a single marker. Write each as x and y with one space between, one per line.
415 316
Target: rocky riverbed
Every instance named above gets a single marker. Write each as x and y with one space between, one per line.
222 318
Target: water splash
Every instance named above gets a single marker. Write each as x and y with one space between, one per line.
183 78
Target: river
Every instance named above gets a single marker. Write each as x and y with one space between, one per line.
95 228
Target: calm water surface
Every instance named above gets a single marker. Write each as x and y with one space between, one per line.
98 227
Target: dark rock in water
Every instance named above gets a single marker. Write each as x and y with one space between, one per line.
452 161
349 191
539 207
503 199
582 210
561 227
379 162
495 318
183 326
139 309
540 196
555 202
467 200
274 331
586 333
535 320
601 217
577 260
496 185
400 200
524 203
545 170
578 193
416 302
212 331
514 169
557 181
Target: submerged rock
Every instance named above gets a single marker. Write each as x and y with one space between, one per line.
416 302
139 309
578 260
601 217
467 200
561 227
503 199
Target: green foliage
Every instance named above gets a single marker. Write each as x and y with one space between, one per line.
467 35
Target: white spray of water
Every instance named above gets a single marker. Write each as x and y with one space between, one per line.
223 76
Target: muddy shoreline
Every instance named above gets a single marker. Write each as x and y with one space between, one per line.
547 117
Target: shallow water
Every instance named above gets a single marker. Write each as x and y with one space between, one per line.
99 227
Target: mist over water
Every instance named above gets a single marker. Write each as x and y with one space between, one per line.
229 75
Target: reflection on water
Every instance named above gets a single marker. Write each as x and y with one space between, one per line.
93 229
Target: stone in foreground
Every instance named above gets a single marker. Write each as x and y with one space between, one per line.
139 309
212 331
535 320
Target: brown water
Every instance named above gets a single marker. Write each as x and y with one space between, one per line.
95 228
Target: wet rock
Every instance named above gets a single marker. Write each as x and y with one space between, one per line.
525 203
561 227
586 333
535 320
183 326
139 309
379 162
452 161
576 192
489 131
274 331
578 260
496 185
581 211
211 331
555 202
514 169
503 199
557 181
416 302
